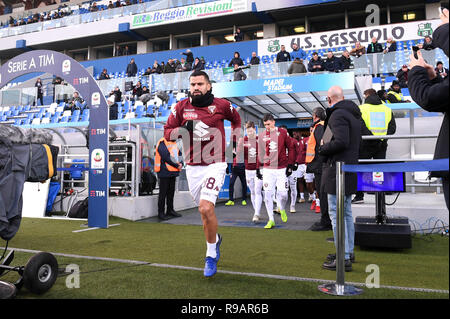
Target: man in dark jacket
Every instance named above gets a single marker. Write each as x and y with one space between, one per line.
238 36
283 55
340 143
189 56
168 165
236 60
374 149
315 166
169 67
254 62
428 44
331 63
131 69
344 61
315 64
402 76
431 92
374 46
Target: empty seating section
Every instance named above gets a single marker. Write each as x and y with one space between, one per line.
51 114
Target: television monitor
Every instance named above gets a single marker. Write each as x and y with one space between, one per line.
381 182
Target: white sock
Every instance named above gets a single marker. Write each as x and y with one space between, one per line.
302 196
211 248
317 202
312 196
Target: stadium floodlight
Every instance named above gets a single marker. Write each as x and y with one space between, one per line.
299 29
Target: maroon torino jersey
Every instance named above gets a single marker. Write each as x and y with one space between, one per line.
250 148
206 144
276 148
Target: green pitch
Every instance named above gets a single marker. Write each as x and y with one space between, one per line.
291 254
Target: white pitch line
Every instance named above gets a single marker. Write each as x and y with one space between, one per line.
92 228
270 276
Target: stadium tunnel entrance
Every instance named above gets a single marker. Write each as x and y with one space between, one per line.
71 71
290 99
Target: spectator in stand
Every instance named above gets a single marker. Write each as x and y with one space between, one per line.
236 60
358 50
331 63
40 91
391 46
113 108
183 66
440 70
126 50
117 94
110 5
189 56
118 51
283 55
254 60
132 69
148 71
104 75
145 96
239 75
394 95
427 44
315 64
198 65
169 67
298 53
238 36
117 4
402 76
156 68
296 66
344 61
93 7
137 90
72 105
374 46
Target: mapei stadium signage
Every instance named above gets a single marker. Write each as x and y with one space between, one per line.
348 37
189 13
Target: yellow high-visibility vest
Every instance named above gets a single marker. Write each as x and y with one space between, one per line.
398 96
376 117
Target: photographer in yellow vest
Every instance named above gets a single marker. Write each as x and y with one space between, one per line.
376 119
168 164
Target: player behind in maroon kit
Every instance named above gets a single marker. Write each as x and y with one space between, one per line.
277 155
199 122
248 145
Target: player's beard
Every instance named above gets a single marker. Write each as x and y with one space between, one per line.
201 100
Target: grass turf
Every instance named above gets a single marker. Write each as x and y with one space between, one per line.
279 252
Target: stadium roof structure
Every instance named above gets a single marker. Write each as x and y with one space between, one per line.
287 97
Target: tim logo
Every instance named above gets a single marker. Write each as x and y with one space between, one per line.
95 99
66 66
97 193
78 81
